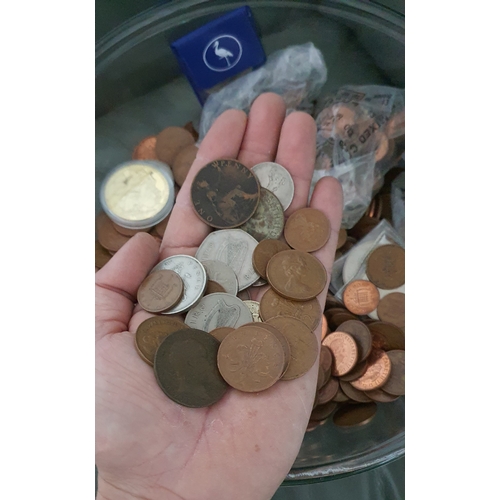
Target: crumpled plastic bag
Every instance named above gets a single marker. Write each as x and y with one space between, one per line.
398 204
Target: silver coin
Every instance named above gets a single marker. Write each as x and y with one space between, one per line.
221 273
260 282
277 179
254 307
217 310
193 275
235 248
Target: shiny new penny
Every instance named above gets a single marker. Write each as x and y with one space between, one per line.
225 194
354 394
160 291
151 332
361 297
328 391
296 275
263 253
221 273
250 359
385 267
391 308
344 350
307 230
268 220
102 256
185 367
170 141
395 385
146 149
304 347
377 372
272 304
254 307
214 287
182 163
222 332
354 414
361 334
282 340
277 179
386 336
108 236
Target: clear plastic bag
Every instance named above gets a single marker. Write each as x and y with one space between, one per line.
297 73
398 204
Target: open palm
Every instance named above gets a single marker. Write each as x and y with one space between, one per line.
243 446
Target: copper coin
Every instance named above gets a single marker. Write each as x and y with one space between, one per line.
222 332
272 304
325 330
336 317
296 275
170 141
263 253
354 414
340 397
190 128
102 256
381 396
385 267
361 297
268 220
342 238
307 230
150 335
354 394
251 359
323 378
325 359
128 232
395 386
304 346
185 366
182 163
386 336
332 302
356 372
108 236
214 287
344 350
328 391
225 194
324 411
160 228
391 308
377 372
160 291
145 150
361 335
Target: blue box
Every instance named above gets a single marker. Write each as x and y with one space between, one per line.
219 50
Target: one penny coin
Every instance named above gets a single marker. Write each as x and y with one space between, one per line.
361 334
395 385
263 253
150 335
160 291
391 308
356 372
385 267
307 230
185 367
222 332
325 359
182 163
354 414
386 336
342 238
296 275
108 236
381 396
354 394
377 372
325 330
340 397
225 194
251 359
336 317
102 256
214 287
361 297
328 391
146 149
344 350
324 411
170 141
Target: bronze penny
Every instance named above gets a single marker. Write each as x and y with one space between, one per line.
391 308
325 330
128 232
325 359
344 350
340 397
381 396
354 394
377 372
185 367
268 220
361 335
214 287
222 332
336 317
225 194
385 267
108 236
272 304
296 275
190 128
251 359
146 149
356 372
263 253
395 385
354 414
386 336
304 346
160 228
324 411
307 230
102 256
342 238
182 163
170 141
160 291
361 297
328 391
332 302
323 378
150 335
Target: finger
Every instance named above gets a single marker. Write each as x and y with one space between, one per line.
117 283
185 231
263 130
297 153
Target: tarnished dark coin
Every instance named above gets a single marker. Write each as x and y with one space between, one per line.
170 141
225 194
268 220
377 373
385 267
150 335
102 256
307 229
354 394
328 391
395 385
335 317
340 397
160 291
321 412
263 253
361 334
386 336
354 414
391 308
185 367
381 396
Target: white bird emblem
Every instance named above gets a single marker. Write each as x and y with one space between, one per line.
222 53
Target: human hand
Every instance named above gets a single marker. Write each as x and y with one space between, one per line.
242 447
